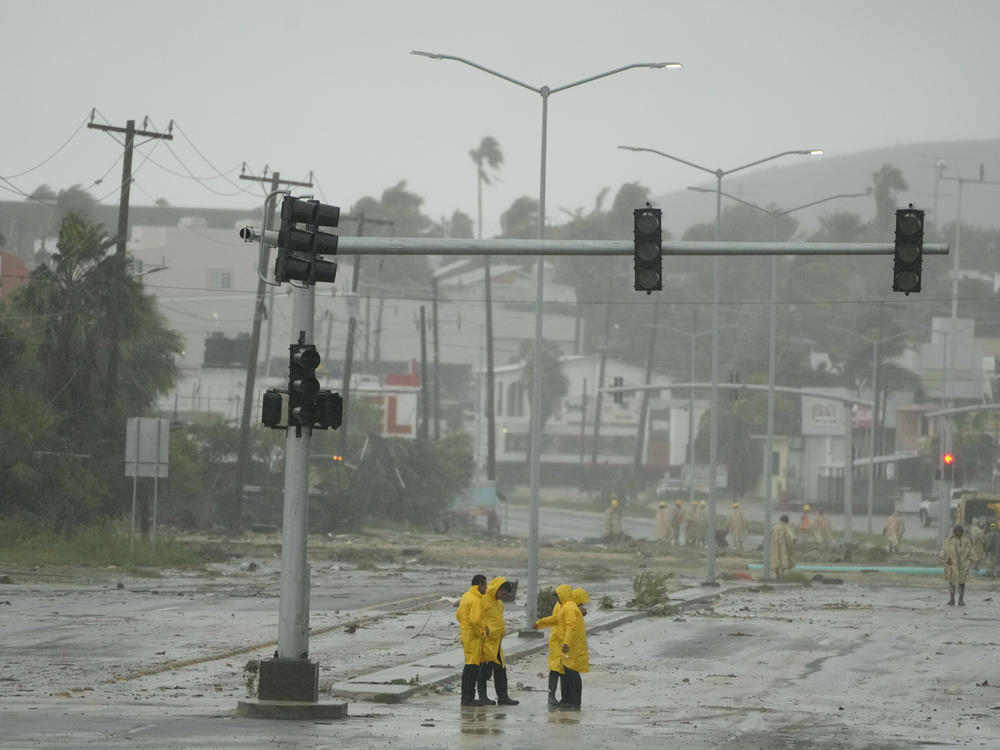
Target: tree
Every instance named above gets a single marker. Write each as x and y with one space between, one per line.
66 314
489 154
885 182
399 205
520 221
555 384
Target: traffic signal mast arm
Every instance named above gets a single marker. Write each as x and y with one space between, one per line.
584 248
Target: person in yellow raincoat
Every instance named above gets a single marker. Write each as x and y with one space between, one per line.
470 628
957 556
575 658
493 663
554 621
782 547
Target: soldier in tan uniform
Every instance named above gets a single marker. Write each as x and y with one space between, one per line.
736 526
782 547
663 530
893 531
957 556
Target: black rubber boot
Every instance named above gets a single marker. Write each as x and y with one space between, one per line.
961 595
553 683
500 682
469 675
572 685
485 670
951 592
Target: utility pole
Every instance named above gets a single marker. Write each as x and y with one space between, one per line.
243 449
640 438
437 361
122 237
595 448
423 430
353 308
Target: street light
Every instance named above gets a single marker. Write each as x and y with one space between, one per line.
536 382
772 338
713 433
871 425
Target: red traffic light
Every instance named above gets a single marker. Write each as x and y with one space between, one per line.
948 459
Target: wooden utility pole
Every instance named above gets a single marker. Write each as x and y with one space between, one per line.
243 450
122 237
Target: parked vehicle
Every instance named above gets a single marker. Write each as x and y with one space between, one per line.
930 508
978 505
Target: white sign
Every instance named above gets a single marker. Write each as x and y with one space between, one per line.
822 416
147 447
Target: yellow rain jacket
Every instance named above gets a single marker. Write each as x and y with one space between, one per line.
470 624
555 622
575 635
493 619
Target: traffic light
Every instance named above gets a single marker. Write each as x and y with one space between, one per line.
301 241
948 467
270 413
329 410
303 387
648 249
908 257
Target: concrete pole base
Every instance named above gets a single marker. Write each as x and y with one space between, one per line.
288 680
294 710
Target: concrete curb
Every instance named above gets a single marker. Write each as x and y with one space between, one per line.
396 684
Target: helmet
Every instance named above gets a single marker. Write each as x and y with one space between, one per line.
805 507
614 503
694 502
736 505
702 503
663 504
993 524
678 502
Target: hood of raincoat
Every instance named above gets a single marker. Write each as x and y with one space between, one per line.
564 592
580 596
492 586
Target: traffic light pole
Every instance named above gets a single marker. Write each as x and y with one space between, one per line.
293 610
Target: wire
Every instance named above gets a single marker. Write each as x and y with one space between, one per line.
239 188
53 154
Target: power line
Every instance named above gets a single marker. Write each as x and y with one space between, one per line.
51 156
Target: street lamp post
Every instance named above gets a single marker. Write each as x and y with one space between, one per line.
536 382
945 427
776 214
713 433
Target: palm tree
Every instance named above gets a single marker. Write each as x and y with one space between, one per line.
555 384
488 152
885 182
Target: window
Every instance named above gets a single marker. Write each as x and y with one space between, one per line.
617 382
220 279
515 400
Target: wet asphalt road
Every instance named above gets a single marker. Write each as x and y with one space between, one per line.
865 665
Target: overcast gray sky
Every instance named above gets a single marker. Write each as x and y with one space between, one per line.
331 87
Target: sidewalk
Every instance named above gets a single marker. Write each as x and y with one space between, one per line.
399 683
